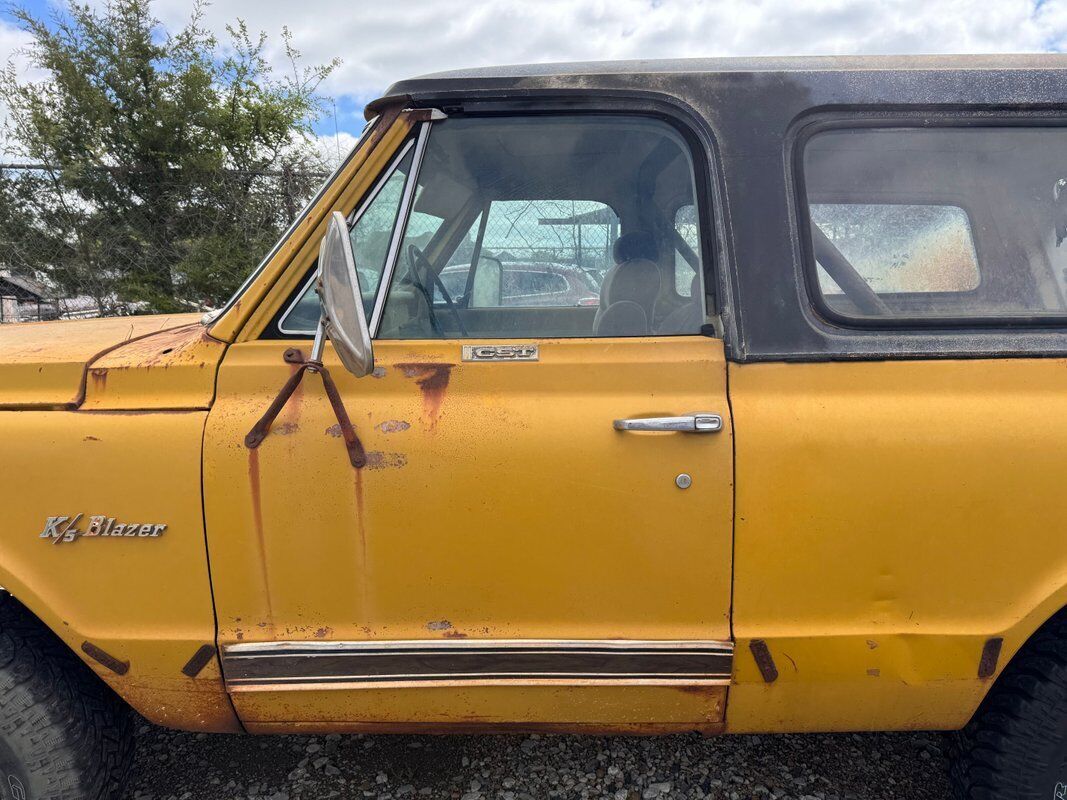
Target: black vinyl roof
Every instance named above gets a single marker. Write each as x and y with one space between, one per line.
661 74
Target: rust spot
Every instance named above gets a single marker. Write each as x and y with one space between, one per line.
379 372
393 426
987 666
200 659
874 673
432 379
439 625
379 460
322 633
285 428
872 644
91 439
764 661
99 378
334 431
455 635
257 522
293 355
360 519
105 658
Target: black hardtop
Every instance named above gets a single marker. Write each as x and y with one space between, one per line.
676 76
748 116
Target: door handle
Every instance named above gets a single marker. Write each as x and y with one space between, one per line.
700 422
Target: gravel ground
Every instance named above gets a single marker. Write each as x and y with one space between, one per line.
185 766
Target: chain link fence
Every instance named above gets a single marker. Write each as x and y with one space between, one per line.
106 241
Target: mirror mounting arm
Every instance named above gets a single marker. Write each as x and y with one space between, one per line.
356 454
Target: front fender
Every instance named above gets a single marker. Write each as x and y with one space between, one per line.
136 608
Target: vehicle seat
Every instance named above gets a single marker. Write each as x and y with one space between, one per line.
633 281
686 318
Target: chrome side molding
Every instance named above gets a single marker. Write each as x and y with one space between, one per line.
250 666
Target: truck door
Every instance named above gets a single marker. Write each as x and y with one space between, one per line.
541 535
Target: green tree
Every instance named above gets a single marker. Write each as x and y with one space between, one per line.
168 162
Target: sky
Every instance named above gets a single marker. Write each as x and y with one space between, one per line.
380 42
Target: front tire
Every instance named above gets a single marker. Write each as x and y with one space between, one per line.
63 734
1016 745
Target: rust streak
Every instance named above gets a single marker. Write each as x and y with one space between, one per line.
257 522
361 522
99 378
432 379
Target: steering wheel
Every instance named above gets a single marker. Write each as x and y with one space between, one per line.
418 258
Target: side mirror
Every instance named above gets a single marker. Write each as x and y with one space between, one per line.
343 318
488 283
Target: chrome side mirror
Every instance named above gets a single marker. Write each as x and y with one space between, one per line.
343 318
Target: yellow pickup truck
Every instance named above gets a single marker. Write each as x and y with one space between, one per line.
713 395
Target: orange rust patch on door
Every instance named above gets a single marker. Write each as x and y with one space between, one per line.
432 379
99 378
257 522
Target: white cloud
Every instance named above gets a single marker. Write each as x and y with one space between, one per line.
333 149
12 43
381 42
384 42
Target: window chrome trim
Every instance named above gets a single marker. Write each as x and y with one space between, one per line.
353 218
402 217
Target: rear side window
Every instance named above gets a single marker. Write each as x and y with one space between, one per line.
937 225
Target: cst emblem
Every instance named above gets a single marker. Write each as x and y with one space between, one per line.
500 352
66 529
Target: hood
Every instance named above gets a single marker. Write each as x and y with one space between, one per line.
44 364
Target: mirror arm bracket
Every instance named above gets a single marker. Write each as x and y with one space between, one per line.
356 454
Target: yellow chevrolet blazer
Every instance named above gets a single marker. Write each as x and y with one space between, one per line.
712 395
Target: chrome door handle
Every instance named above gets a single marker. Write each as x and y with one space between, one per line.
701 422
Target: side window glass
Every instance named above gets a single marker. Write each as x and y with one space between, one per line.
901 249
371 232
943 225
548 227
